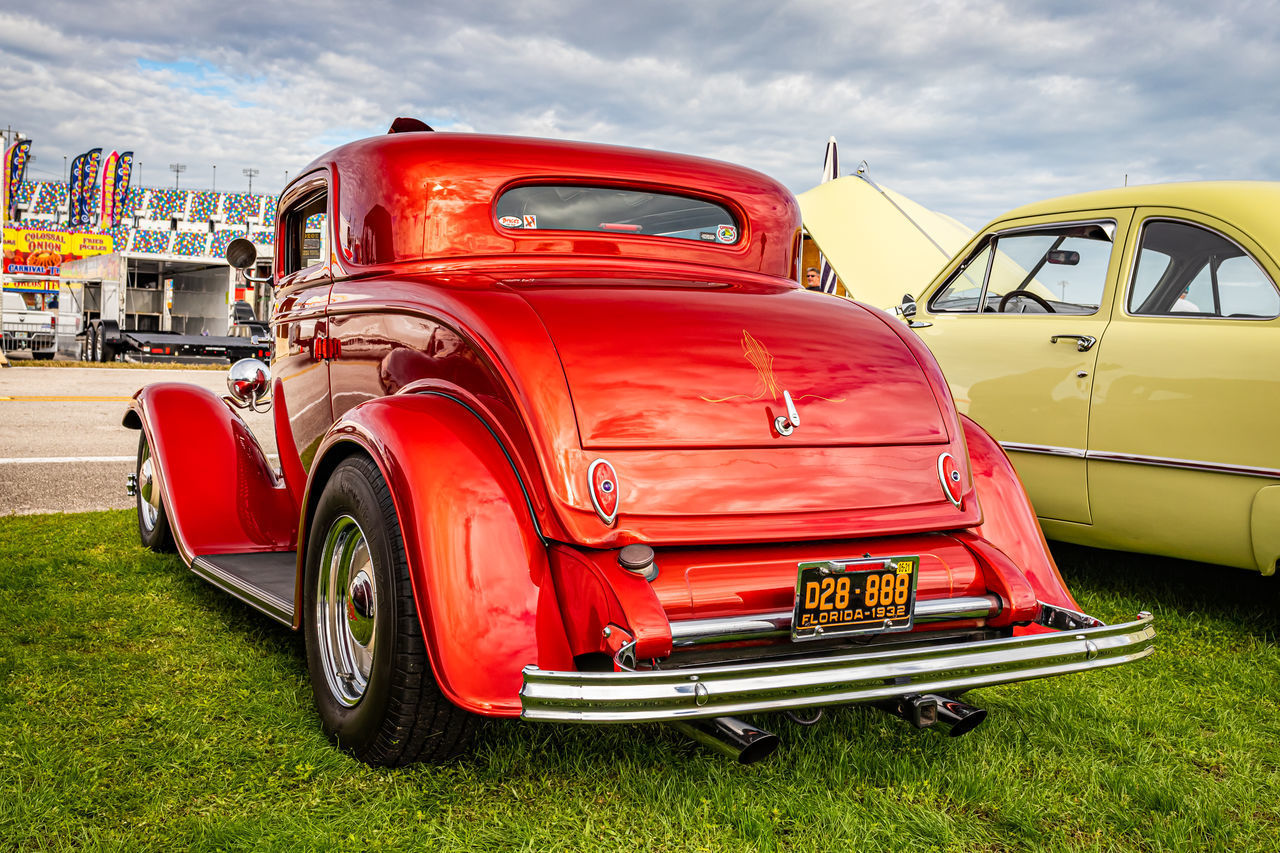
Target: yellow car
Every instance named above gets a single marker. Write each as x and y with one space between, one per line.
1124 347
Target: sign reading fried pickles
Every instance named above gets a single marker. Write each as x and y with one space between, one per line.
34 251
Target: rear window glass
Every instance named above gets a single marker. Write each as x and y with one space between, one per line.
615 211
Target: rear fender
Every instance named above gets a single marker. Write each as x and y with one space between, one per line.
1264 529
1008 520
221 494
479 568
600 597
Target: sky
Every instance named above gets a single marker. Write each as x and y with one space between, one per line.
968 108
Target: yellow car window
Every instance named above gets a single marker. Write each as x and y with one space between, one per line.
1046 269
1189 270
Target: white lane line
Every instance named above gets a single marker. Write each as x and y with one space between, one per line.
62 460
66 460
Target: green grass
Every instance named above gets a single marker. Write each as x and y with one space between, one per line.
141 709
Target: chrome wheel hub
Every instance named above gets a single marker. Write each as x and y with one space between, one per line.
148 492
346 611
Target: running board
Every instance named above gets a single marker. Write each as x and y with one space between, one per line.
263 580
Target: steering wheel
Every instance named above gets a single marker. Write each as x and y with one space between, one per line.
1026 294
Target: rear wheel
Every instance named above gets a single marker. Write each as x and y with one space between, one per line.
370 675
95 351
153 522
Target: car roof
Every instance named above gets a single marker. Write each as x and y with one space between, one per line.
1248 205
431 195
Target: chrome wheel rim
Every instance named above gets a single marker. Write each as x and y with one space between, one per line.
346 611
148 492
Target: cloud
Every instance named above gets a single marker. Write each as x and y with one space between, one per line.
970 108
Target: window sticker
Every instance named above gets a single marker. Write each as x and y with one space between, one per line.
530 221
708 236
726 234
510 221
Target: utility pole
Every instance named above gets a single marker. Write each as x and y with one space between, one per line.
177 169
250 174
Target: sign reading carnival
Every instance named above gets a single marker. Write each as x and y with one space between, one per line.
41 252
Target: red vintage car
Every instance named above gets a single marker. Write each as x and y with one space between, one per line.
561 438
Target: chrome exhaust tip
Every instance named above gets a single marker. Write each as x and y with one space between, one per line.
960 717
924 710
730 736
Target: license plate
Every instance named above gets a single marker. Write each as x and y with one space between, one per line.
867 596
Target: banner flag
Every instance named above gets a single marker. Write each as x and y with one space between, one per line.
15 170
106 208
84 172
830 171
120 185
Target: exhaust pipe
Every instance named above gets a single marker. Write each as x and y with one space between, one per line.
960 717
730 736
929 709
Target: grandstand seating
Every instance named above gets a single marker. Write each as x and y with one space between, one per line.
151 242
50 199
239 206
149 214
204 204
23 194
190 243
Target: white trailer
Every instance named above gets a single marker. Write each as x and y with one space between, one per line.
139 307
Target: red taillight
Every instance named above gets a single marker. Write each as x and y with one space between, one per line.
604 490
952 481
53 321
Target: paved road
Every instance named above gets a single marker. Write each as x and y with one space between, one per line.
62 448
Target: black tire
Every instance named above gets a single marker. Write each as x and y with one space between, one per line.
92 344
370 674
153 519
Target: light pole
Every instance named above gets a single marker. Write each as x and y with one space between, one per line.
64 168
177 169
215 177
250 174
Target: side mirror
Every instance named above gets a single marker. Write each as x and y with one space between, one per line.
249 381
242 255
908 307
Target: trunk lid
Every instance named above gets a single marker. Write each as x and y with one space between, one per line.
679 364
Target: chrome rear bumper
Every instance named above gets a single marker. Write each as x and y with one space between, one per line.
832 679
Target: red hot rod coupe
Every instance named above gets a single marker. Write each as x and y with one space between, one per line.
562 438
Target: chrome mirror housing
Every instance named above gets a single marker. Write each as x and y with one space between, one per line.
249 381
241 254
908 307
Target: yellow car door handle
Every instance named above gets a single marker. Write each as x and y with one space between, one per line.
1083 342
